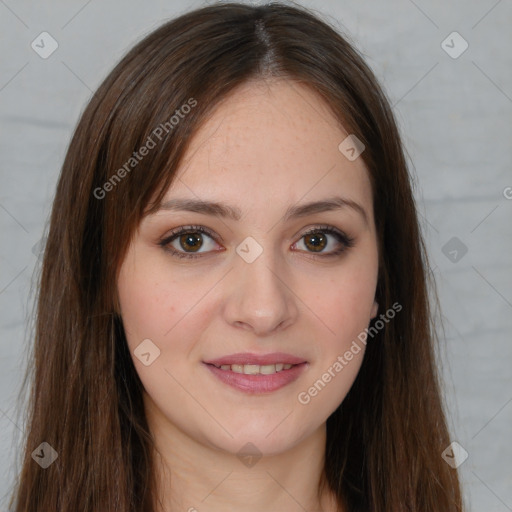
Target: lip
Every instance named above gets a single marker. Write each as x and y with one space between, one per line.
259 359
254 384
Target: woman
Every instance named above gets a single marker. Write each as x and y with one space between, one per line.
233 309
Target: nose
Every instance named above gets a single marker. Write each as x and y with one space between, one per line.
259 299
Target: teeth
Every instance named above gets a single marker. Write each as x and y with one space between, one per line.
251 369
267 369
255 369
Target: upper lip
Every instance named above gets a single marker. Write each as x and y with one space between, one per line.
259 359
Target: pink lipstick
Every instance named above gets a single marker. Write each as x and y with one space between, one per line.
253 373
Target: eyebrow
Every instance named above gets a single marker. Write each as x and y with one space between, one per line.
232 212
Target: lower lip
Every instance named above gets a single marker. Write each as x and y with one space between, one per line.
258 383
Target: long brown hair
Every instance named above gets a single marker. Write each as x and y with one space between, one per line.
384 442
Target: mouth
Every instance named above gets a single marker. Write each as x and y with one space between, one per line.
252 373
255 369
250 359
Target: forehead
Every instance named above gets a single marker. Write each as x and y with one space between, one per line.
270 141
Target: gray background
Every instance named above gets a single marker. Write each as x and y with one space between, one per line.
455 115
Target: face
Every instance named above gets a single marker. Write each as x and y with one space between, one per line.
262 277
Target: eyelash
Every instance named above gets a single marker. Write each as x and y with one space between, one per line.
341 237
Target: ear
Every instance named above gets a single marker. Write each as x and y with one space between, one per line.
375 308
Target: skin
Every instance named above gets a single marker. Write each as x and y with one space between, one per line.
271 145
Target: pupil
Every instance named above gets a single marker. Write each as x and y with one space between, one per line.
191 241
319 244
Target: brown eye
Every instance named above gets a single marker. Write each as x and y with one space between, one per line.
316 242
191 241
325 241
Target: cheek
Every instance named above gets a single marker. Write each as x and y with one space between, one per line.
340 351
143 305
156 305
347 306
148 303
